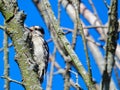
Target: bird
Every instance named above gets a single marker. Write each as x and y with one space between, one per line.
39 49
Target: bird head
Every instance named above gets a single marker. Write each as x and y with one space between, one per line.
37 30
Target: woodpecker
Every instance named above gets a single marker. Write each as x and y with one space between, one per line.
39 49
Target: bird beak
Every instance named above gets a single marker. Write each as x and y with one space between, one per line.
31 29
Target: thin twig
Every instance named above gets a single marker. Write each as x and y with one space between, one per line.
87 27
59 11
67 76
89 39
2 27
62 72
96 43
76 74
11 80
77 86
6 62
9 45
94 9
49 84
117 76
95 12
106 4
90 27
92 19
76 5
85 49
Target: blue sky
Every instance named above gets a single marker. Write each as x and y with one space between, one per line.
34 18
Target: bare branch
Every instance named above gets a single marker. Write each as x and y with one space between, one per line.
92 19
59 11
82 33
49 84
2 27
95 11
67 76
9 45
111 45
62 72
6 62
76 74
117 75
106 4
11 80
76 5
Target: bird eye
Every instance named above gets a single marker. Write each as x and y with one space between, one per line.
36 29
40 29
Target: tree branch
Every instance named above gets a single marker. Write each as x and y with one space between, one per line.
76 5
49 83
11 80
111 44
6 62
81 31
14 24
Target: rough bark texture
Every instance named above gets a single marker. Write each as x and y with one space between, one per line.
111 45
14 24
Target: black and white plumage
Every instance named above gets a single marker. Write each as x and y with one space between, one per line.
39 49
